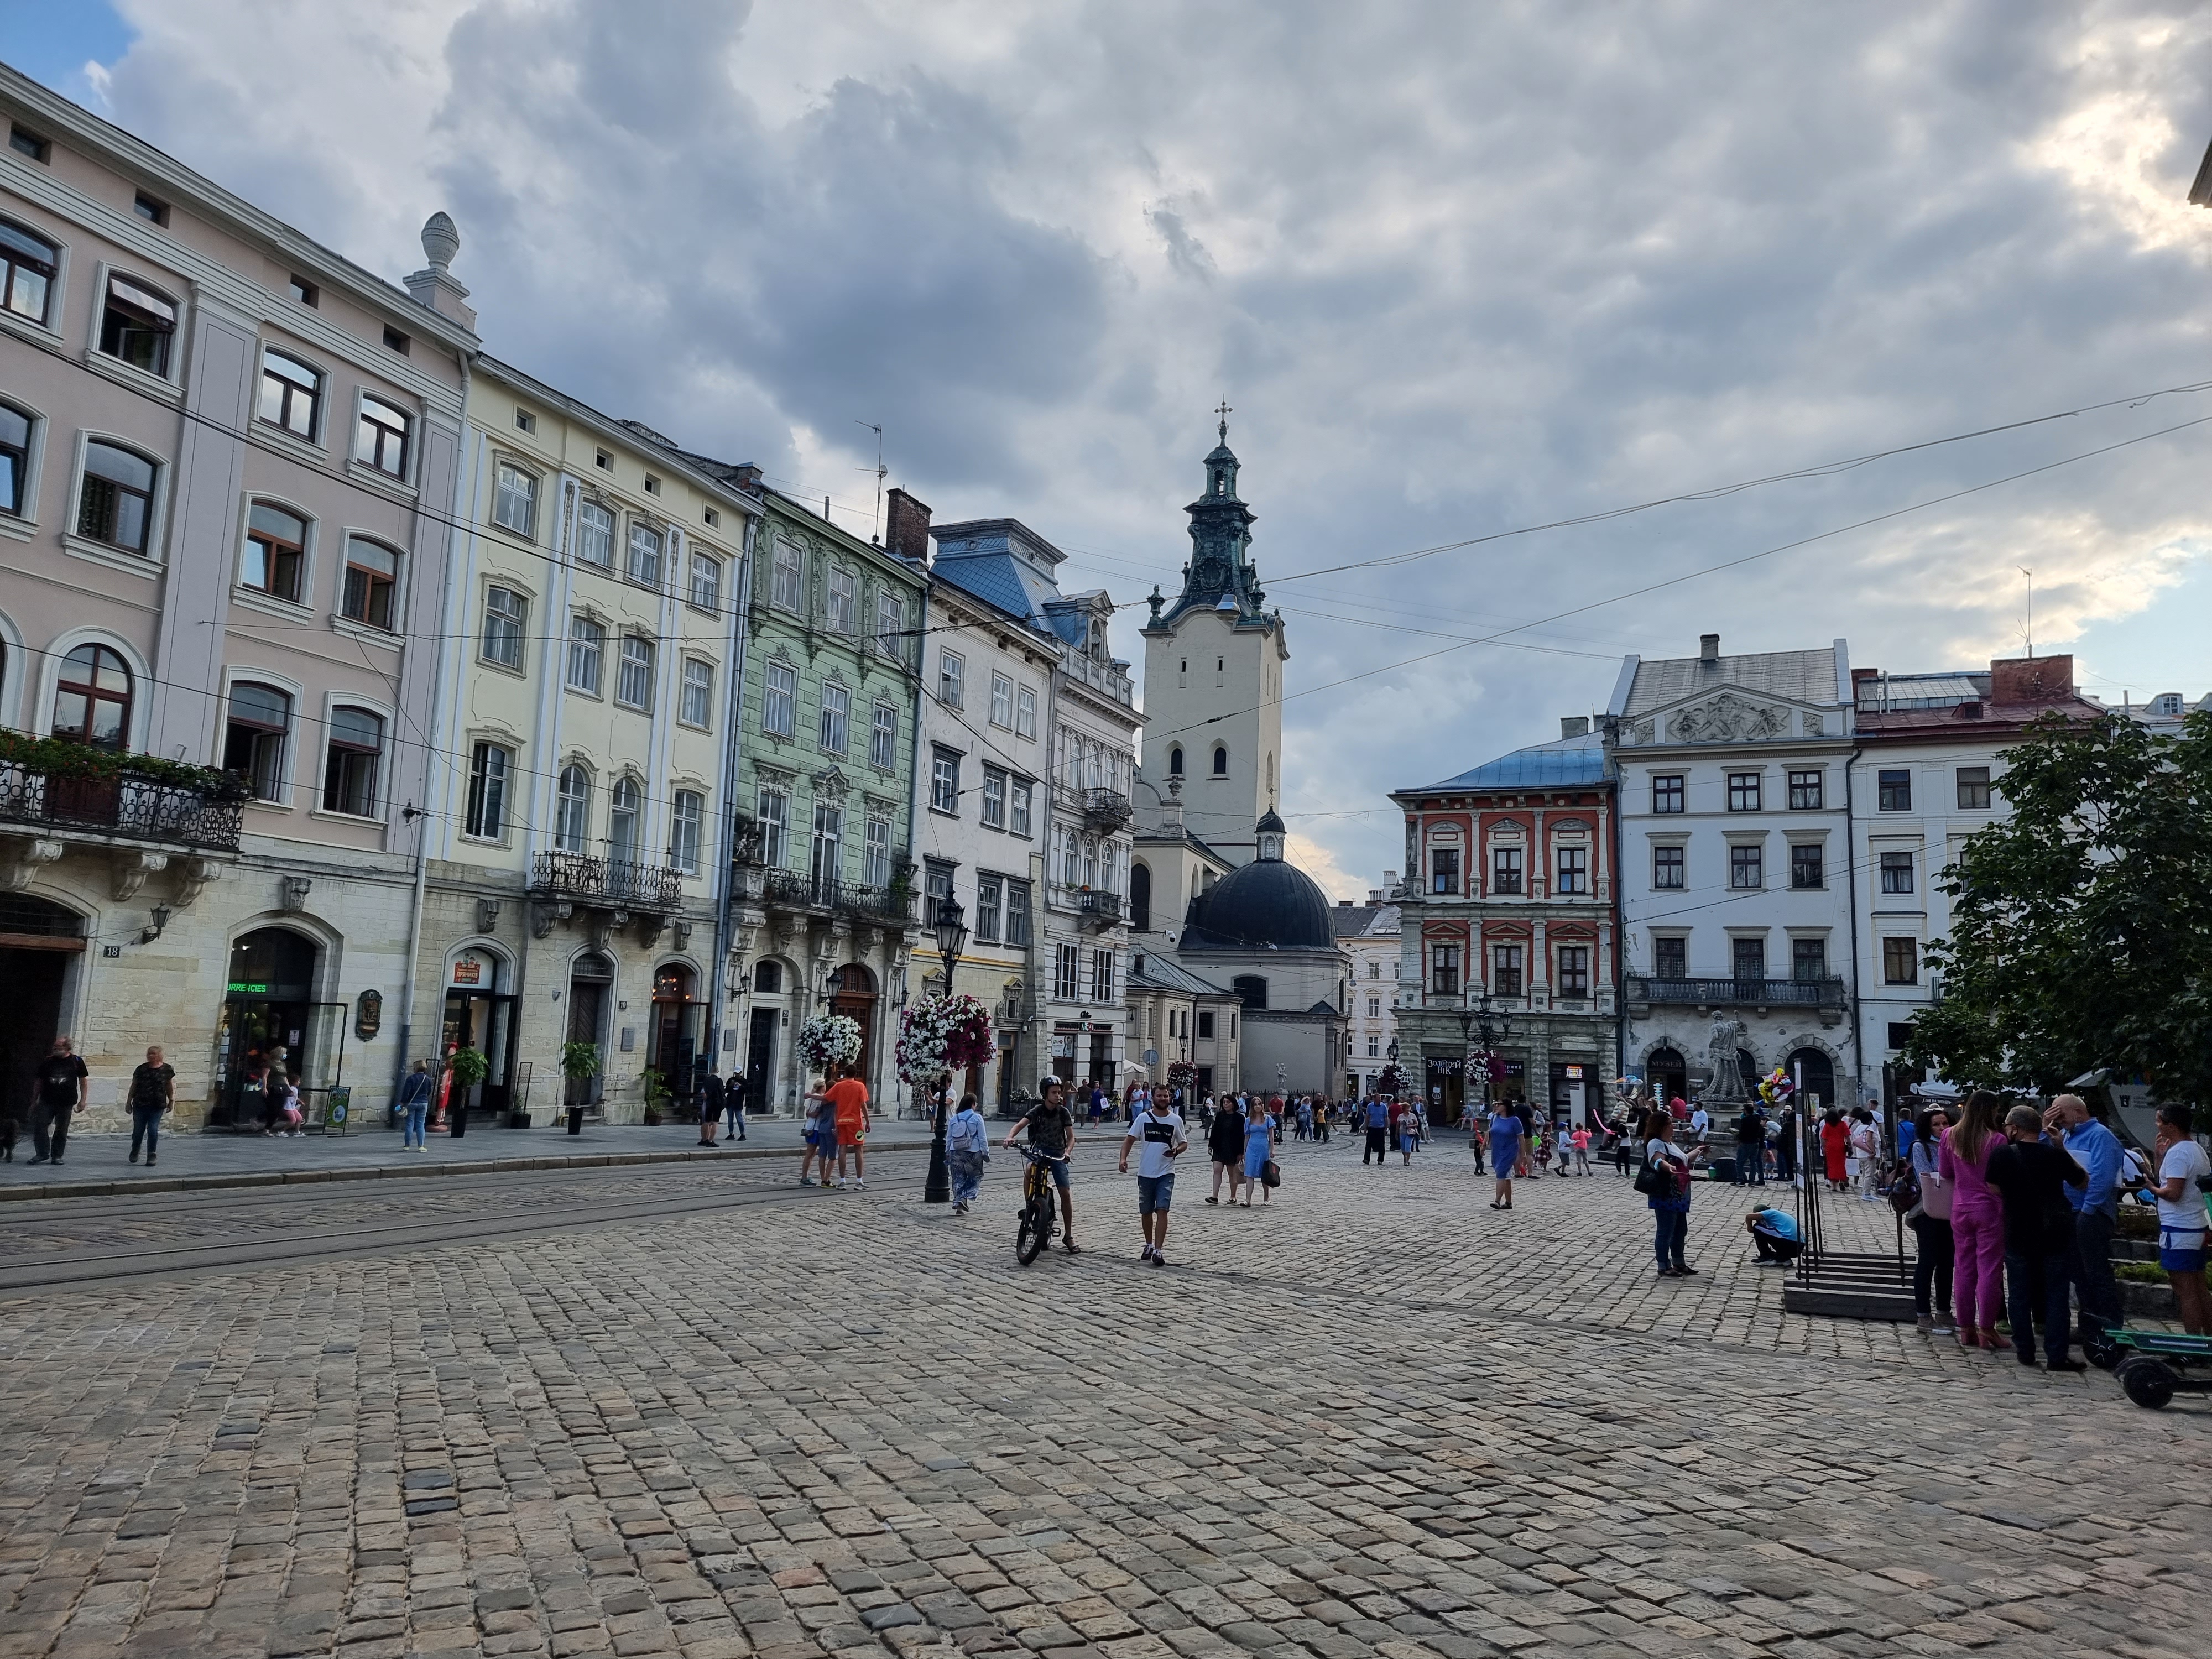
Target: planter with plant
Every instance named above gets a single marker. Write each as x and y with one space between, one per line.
657 1096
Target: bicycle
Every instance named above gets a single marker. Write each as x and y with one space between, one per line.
1039 1214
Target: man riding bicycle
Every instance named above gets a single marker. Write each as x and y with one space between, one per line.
1052 1133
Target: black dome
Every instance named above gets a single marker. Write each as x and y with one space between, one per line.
1266 902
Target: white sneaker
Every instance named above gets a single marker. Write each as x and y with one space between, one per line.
840 1183
860 1186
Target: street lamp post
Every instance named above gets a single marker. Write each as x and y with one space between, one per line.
1475 1021
951 939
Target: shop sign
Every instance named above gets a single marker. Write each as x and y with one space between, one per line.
249 988
367 1014
468 970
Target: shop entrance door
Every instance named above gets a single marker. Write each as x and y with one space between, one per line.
39 941
1447 1091
855 999
271 1025
484 1021
760 1059
589 981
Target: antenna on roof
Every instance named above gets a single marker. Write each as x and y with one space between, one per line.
2030 628
876 538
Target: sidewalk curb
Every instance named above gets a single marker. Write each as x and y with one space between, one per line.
24 1194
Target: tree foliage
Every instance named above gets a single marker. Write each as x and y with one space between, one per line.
2082 924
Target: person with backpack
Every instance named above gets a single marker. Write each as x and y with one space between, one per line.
1930 1217
967 1149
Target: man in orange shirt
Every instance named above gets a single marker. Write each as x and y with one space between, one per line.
849 1102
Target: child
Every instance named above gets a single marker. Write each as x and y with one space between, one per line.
1563 1144
812 1125
967 1149
293 1115
1582 1140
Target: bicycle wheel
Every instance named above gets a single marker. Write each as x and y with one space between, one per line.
1035 1228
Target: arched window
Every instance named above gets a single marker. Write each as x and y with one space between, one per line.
625 808
355 757
275 550
1140 897
371 576
1251 988
572 810
1220 761
92 703
1175 761
116 503
291 394
1818 1073
137 326
253 741
767 978
26 271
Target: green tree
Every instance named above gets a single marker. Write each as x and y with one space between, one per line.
2082 924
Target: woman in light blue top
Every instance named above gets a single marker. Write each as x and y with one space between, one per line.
1259 1148
967 1148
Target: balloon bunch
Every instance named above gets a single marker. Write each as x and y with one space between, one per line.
1776 1088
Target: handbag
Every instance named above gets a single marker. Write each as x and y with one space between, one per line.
1654 1181
1269 1175
1905 1191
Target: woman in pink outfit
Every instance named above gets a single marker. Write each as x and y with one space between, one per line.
1976 1220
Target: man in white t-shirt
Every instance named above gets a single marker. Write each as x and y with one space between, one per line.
2182 1224
1700 1120
1159 1130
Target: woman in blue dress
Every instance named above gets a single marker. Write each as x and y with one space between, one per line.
1259 1148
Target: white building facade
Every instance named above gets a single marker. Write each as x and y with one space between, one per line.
1368 935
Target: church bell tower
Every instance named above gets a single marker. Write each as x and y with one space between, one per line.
1213 675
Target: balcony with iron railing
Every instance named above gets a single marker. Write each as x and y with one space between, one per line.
1823 992
798 889
128 806
606 883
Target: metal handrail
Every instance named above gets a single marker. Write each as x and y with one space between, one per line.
589 880
1712 993
144 808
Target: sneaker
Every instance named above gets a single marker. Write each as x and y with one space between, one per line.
1944 1327
2069 1364
1145 1254
1926 1324
840 1183
42 1158
134 1157
1159 1260
57 1161
149 1160
860 1186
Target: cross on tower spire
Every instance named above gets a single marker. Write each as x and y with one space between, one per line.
1224 412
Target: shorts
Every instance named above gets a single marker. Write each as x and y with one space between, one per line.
1058 1166
1155 1192
2181 1252
850 1134
812 1137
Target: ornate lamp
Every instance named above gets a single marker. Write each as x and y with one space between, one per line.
951 925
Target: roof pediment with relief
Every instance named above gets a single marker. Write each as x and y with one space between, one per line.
1730 717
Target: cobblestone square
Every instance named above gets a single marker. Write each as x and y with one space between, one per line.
1374 1418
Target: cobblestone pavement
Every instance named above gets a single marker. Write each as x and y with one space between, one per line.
1374 1418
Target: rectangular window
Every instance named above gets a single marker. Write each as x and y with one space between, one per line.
994 798
1808 960
943 782
1747 868
1443 969
1065 961
587 643
883 739
990 896
1894 792
1024 712
1900 1034
706 581
1444 869
1973 788
890 622
1101 977
775 826
28 264
1574 870
504 611
1667 792
276 548
1017 810
687 818
1667 867
1900 962
380 437
1002 700
713 518
1805 791
1506 970
787 588
1896 873
372 577
876 853
1374 1046
645 548
1748 957
1743 791
524 420
842 585
1505 869
117 503
395 341
487 806
780 700
1670 959
1808 866
349 771
1205 1024
14 460
137 326
950 672
1374 1007
514 501
1017 913
254 738
291 394
1574 971
825 865
837 705
24 142
633 676
697 704
595 534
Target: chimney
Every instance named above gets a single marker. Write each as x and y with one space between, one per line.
906 525
433 286
746 478
2031 679
1389 880
1574 725
1709 648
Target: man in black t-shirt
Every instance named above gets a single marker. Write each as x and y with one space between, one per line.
2030 1175
1052 1131
59 1089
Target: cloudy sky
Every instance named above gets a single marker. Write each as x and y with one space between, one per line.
1460 269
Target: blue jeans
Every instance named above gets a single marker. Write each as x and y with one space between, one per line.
145 1125
2038 1284
413 1135
1670 1235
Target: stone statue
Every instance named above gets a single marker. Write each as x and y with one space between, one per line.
1726 1086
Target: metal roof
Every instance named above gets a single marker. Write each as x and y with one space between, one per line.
1818 678
1567 763
1164 973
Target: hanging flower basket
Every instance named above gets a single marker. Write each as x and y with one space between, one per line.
944 1034
829 1040
1182 1075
